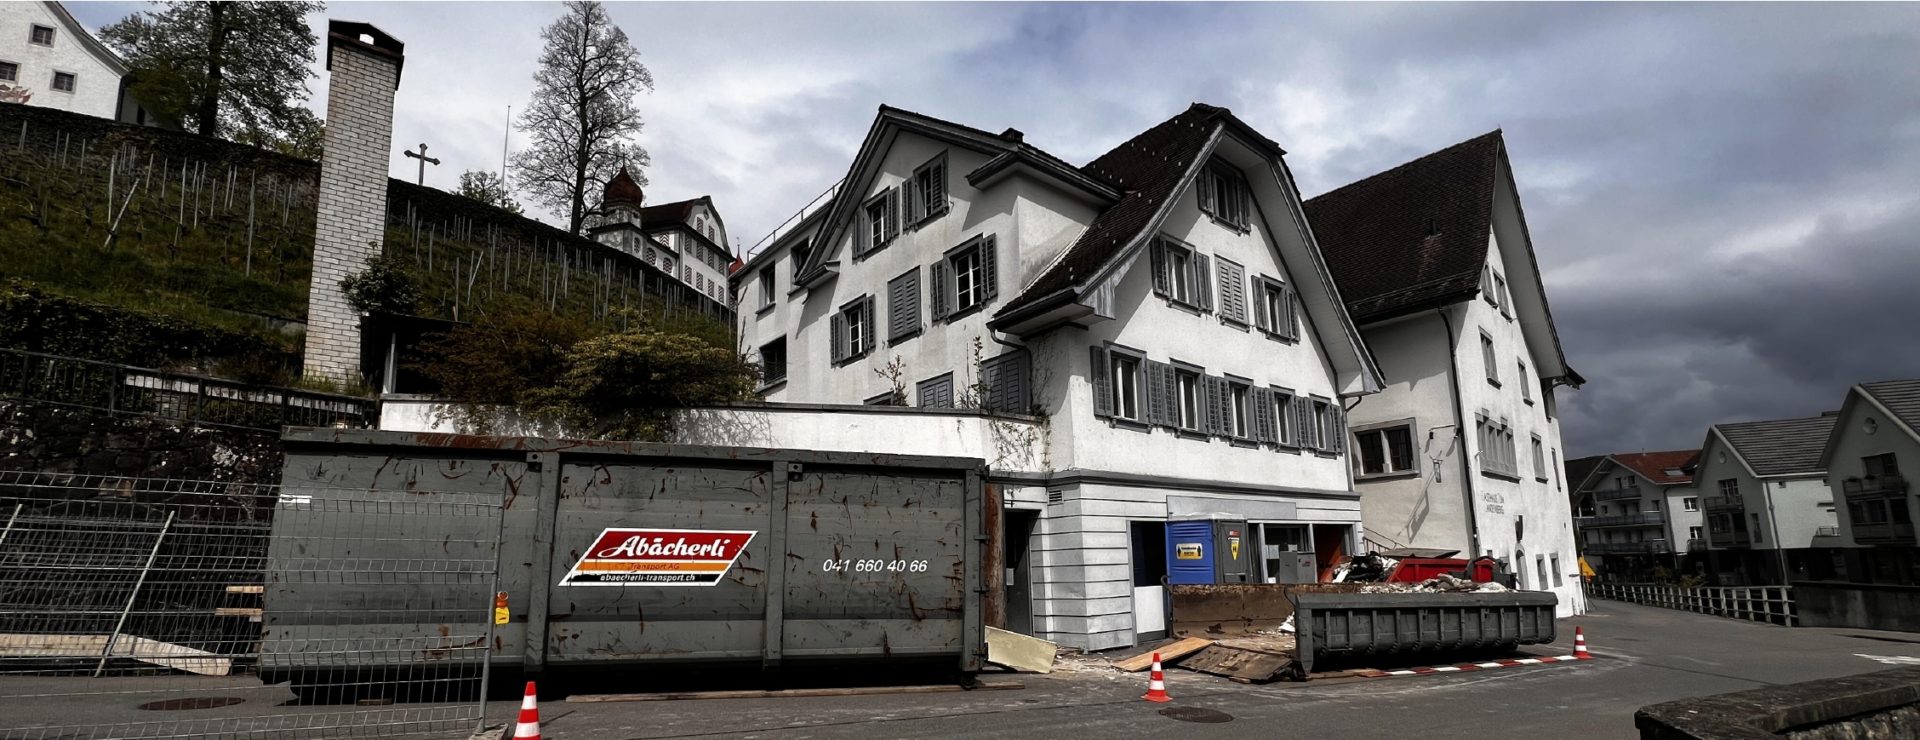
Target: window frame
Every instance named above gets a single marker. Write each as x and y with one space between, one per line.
1490 357
33 33
1376 435
767 381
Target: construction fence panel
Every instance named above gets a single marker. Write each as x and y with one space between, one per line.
139 608
1769 604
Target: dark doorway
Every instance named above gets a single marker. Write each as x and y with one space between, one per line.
1019 560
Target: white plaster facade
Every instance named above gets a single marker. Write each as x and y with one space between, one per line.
1099 487
39 40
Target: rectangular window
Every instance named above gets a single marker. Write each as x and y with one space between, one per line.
765 281
1526 384
1690 503
773 361
1190 399
9 72
1492 363
1539 460
853 329
1223 195
1126 387
1383 451
936 392
63 81
42 35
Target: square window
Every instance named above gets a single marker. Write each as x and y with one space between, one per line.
42 35
63 81
9 72
773 361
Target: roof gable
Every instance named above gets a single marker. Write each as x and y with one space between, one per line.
1781 447
1414 236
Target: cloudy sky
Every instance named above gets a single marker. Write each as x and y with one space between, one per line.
1725 198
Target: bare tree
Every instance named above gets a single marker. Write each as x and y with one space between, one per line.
583 118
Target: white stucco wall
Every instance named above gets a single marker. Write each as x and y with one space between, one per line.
97 85
1852 442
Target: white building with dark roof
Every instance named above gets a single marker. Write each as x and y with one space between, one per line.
1461 450
1874 443
1769 510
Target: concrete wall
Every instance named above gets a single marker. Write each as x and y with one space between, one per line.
96 89
352 202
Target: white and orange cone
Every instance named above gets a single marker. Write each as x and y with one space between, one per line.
529 725
1580 644
1157 683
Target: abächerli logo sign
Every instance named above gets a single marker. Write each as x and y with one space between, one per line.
658 557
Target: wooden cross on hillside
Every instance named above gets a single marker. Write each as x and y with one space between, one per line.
424 161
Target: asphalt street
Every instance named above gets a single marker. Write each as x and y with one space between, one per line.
1645 656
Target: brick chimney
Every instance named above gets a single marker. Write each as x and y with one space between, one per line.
363 65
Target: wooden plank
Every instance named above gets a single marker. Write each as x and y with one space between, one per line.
796 693
1168 653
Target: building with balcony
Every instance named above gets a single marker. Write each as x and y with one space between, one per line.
1874 443
1635 511
1766 501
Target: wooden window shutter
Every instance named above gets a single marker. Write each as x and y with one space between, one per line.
1099 376
893 212
940 287
989 266
1159 256
903 305
839 327
1202 282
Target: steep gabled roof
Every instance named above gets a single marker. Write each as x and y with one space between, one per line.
1149 169
1414 236
1779 447
1654 466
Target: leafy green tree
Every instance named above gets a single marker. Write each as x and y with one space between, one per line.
582 118
626 385
489 188
223 68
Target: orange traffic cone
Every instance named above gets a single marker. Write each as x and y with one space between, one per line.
1157 683
529 726
1580 644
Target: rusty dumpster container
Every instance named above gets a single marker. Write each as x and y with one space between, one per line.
1333 625
615 554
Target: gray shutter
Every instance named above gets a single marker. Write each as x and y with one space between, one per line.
989 266
939 286
893 213
1158 250
867 339
1099 376
839 327
903 305
1202 282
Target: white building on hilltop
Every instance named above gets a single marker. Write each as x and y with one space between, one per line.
1461 452
48 59
1159 324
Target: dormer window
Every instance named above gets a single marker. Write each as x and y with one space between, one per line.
1223 195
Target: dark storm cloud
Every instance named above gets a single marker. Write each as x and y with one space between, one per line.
1725 198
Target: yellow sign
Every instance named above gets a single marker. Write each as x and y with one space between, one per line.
1186 551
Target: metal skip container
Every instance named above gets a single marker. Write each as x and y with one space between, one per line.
1334 625
617 553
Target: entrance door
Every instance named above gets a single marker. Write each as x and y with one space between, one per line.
1149 573
1019 564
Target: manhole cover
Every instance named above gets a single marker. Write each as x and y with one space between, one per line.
1197 714
191 702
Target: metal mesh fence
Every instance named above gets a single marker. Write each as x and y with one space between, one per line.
147 608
